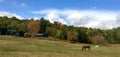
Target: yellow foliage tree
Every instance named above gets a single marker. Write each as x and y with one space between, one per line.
70 36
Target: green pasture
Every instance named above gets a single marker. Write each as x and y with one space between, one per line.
11 46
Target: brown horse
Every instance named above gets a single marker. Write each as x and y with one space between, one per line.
86 47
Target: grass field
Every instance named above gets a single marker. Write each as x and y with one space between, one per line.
36 47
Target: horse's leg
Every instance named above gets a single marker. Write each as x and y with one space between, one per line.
89 48
82 48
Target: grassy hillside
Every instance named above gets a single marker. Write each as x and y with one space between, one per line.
36 47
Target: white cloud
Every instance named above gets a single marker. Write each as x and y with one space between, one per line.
4 13
118 19
54 17
19 5
103 19
23 5
35 18
46 11
95 19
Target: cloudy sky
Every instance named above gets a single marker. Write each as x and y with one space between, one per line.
103 14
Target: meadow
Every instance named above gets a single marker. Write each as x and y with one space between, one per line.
11 46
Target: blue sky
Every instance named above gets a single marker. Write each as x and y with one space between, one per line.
88 13
23 7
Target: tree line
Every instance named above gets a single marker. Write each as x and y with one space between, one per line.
60 31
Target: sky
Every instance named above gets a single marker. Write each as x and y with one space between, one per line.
103 14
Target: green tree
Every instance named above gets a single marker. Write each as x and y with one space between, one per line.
44 24
22 26
83 36
61 34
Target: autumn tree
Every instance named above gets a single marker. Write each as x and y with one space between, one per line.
99 39
69 34
33 27
57 24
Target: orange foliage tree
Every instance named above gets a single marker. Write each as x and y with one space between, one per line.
33 27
